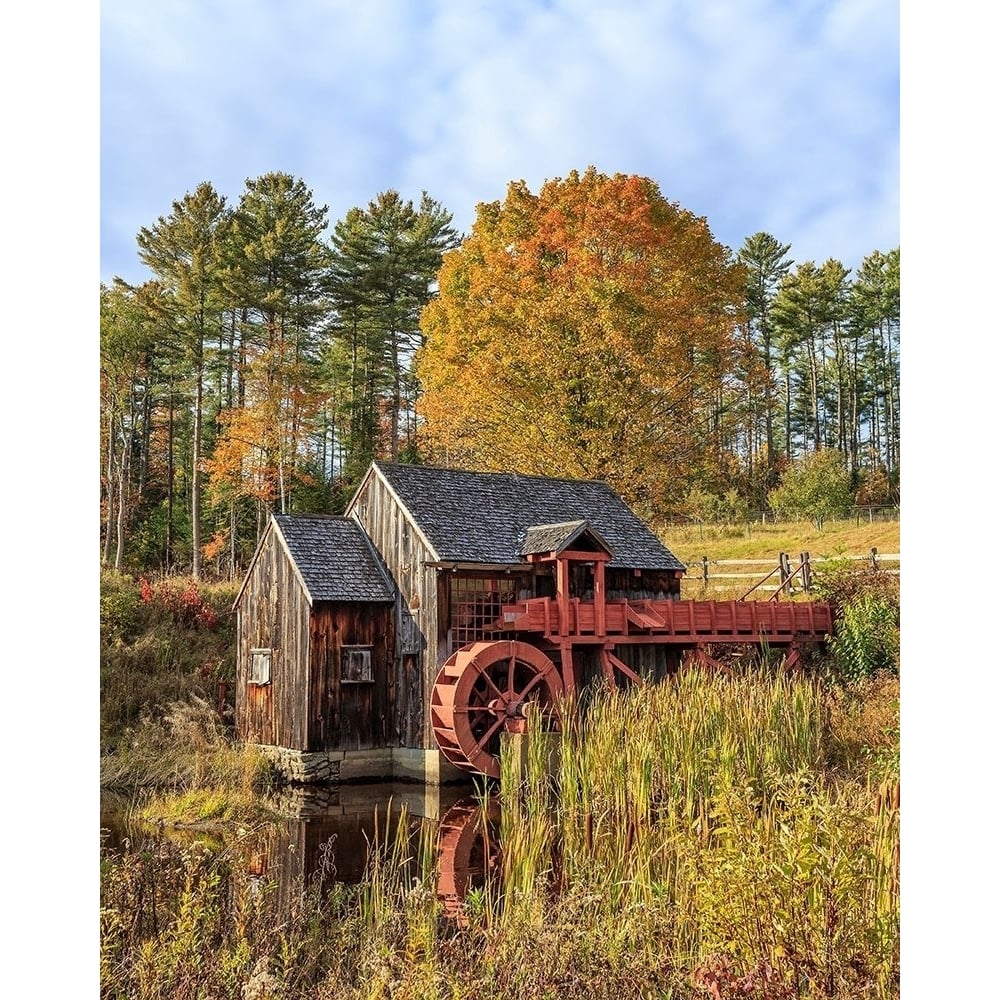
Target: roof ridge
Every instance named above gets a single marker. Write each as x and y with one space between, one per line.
317 516
559 524
492 472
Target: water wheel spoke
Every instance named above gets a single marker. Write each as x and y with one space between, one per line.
534 682
489 680
489 733
510 672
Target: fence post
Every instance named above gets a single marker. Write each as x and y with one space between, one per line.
704 570
786 570
874 558
807 577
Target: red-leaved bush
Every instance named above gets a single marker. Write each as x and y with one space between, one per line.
184 603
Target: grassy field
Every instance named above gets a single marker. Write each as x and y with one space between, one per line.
836 541
764 541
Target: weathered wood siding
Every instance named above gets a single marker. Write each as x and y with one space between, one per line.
273 614
345 715
416 615
649 584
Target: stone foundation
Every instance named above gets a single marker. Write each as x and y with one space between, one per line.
331 767
325 801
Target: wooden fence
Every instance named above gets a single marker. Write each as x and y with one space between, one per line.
753 576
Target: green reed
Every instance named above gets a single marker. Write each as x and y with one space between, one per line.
704 801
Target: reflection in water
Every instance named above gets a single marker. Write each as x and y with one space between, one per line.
327 833
468 852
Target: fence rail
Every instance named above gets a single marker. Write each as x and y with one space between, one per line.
789 578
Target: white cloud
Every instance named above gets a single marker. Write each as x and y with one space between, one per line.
745 112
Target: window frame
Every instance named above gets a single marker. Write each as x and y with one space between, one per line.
368 665
260 654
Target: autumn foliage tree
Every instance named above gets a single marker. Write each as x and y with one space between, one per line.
586 331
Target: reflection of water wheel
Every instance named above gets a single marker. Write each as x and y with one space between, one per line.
468 846
481 690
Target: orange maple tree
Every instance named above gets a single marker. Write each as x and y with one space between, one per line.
586 331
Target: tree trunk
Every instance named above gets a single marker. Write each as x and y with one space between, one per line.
169 546
110 515
788 414
123 473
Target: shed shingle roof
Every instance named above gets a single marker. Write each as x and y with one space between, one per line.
334 557
484 517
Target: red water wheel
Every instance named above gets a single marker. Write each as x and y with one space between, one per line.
483 689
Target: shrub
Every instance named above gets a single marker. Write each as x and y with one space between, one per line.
866 616
183 602
730 508
845 584
121 610
866 640
817 487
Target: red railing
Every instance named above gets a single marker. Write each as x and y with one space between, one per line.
706 621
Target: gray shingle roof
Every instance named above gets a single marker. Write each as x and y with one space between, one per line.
484 516
334 557
556 537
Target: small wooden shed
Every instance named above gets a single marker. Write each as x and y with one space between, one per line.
315 639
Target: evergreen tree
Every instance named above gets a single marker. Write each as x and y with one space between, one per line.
273 275
183 250
385 260
874 326
130 335
766 263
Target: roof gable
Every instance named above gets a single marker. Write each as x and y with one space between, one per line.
541 538
485 517
334 558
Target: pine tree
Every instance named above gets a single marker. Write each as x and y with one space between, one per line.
183 250
385 260
766 262
274 263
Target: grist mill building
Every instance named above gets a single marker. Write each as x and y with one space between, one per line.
406 637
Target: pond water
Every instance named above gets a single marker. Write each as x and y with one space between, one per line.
332 828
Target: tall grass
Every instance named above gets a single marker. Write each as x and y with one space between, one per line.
186 746
688 840
160 645
699 822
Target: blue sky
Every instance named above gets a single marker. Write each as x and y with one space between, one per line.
757 114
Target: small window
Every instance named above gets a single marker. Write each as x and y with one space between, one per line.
356 665
260 666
